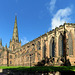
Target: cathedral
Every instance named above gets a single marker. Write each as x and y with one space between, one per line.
56 43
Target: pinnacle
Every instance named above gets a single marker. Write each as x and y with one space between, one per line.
15 32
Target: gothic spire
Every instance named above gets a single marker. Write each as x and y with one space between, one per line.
0 42
15 32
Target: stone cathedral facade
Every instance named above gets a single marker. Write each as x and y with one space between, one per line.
48 45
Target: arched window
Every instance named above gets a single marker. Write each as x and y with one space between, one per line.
52 47
70 44
15 55
10 56
38 55
27 58
33 49
0 55
10 62
32 58
38 45
60 45
44 50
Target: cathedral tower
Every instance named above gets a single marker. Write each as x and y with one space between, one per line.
14 43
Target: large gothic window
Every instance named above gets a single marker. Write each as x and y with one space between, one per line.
0 55
60 45
52 47
38 46
44 51
10 56
38 55
27 58
10 62
70 44
33 58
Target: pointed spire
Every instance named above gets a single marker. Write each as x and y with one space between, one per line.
6 45
0 42
10 40
15 32
20 41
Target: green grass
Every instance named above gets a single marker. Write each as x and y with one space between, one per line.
10 67
40 69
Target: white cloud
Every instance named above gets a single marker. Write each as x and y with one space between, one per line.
61 16
52 5
24 40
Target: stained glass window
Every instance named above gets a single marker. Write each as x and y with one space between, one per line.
38 46
60 45
38 55
44 50
10 62
33 58
52 47
10 56
70 44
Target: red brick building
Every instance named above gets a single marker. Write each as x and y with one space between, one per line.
51 44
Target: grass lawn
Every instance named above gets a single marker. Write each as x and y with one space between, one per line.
40 69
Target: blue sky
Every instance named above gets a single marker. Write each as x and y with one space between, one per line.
34 17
